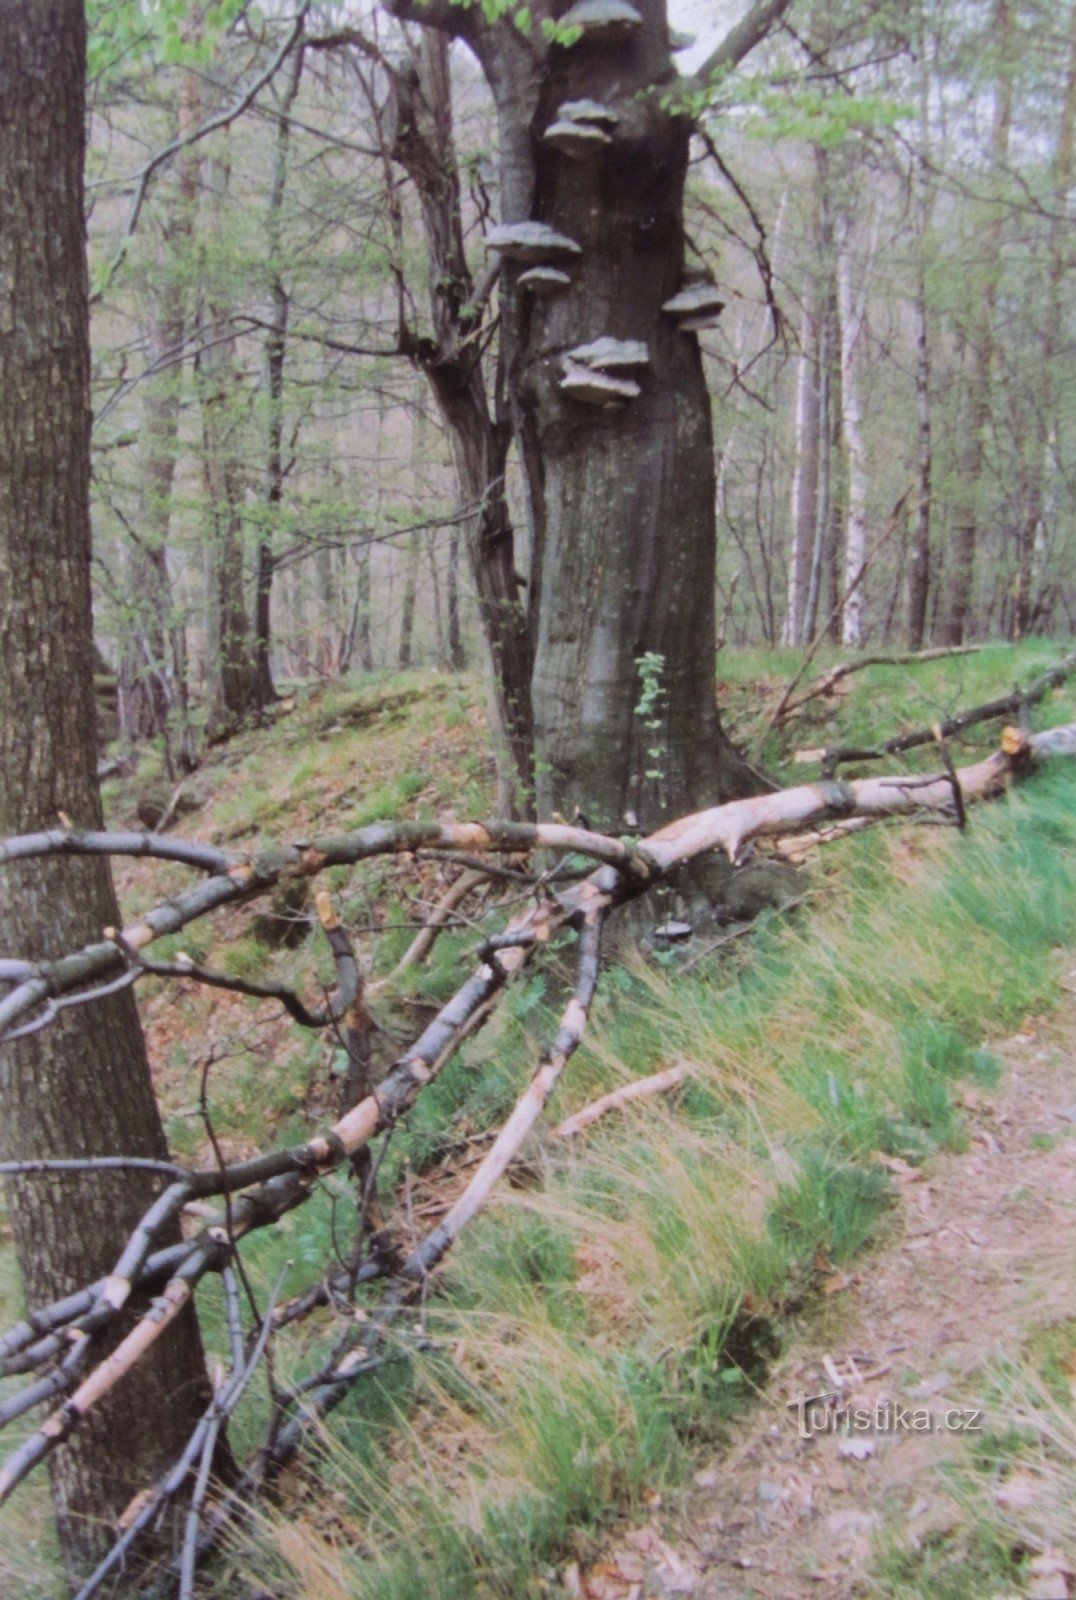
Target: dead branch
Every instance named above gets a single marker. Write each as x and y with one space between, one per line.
1006 705
266 1187
639 1089
823 687
420 947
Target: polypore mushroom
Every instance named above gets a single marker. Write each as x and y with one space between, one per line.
578 140
604 20
611 355
595 388
588 111
532 243
697 306
544 281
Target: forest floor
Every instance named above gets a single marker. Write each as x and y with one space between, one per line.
850 1165
968 1315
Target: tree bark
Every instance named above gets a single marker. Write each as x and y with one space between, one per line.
69 1090
276 346
976 408
230 667
1033 534
852 310
805 471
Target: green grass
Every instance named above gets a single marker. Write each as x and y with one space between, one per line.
623 1296
597 1313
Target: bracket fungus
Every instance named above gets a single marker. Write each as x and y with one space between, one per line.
594 388
544 281
696 306
590 112
534 244
577 140
603 20
596 373
611 355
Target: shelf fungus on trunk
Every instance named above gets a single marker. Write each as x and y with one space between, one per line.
582 128
696 306
533 244
544 281
597 373
605 21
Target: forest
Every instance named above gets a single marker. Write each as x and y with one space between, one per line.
490 494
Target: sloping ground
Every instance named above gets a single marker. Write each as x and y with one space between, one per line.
598 1335
967 1318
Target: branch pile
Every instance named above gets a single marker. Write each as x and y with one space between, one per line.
60 1345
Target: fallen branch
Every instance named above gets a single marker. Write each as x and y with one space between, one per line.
824 686
1006 705
266 1187
638 1089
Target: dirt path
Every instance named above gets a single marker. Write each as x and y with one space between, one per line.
984 1255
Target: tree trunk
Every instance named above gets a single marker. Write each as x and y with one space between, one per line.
80 1087
1033 533
919 574
852 309
805 471
622 500
229 662
423 142
275 354
976 405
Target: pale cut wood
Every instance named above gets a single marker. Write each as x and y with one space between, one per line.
638 1089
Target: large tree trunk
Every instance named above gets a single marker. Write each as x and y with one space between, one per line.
976 406
622 499
80 1087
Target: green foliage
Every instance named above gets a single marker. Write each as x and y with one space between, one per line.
128 33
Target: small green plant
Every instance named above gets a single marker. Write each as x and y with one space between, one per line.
651 704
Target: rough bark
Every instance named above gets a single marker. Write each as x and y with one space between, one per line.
67 1090
621 503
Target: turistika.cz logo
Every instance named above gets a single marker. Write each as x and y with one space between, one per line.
823 1413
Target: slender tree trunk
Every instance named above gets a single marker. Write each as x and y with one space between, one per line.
80 1087
276 346
919 574
422 141
852 310
805 471
919 566
1033 532
229 661
457 655
976 406
407 610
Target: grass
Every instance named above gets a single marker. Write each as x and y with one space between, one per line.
624 1295
604 1321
